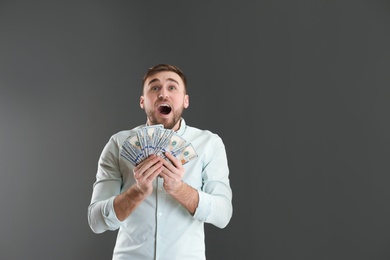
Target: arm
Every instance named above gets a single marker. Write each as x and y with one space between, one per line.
212 203
109 207
215 197
101 215
144 173
172 173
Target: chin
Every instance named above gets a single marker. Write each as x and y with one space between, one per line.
168 122
169 125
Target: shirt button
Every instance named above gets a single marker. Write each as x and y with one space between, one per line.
160 214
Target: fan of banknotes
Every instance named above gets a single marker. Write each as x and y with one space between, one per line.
157 140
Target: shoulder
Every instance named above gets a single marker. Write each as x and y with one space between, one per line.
203 134
120 136
196 131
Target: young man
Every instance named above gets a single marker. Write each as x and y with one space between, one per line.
160 205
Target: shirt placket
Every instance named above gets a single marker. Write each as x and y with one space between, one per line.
160 215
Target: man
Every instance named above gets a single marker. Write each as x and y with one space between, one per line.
159 205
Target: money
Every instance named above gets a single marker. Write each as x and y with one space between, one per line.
156 139
186 154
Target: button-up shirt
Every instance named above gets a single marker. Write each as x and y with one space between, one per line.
160 227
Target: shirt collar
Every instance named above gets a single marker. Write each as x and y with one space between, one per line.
182 127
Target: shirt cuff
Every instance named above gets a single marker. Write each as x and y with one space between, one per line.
109 214
203 210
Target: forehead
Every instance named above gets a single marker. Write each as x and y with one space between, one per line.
163 77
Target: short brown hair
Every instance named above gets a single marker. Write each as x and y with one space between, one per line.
165 67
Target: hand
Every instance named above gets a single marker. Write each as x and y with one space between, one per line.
146 172
172 173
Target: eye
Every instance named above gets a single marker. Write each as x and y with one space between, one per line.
154 88
172 87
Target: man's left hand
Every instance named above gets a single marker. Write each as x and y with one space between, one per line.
172 173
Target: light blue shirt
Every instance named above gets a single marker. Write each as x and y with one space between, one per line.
161 228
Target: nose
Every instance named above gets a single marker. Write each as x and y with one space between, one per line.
162 95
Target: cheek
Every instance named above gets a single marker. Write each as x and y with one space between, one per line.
147 103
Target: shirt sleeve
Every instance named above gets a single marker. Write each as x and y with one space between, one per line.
101 214
215 197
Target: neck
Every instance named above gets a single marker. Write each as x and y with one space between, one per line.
177 126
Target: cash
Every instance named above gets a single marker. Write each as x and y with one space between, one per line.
155 139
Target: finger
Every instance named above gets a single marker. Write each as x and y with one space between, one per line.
169 175
145 181
139 166
175 166
154 171
148 160
169 168
170 157
169 163
166 173
145 165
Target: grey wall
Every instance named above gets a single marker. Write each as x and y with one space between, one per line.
298 90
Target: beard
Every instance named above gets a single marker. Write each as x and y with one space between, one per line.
168 123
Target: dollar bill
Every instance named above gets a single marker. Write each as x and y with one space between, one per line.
132 149
187 154
150 134
155 139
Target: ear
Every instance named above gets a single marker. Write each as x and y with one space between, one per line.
141 102
186 101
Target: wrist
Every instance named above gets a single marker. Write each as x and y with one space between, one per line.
179 189
137 193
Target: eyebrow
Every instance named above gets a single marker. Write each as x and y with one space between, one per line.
156 79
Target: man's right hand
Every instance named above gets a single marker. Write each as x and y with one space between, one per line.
146 172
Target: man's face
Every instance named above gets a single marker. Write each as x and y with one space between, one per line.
164 99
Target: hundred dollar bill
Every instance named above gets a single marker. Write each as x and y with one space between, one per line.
186 154
165 136
142 141
125 154
134 146
175 142
150 134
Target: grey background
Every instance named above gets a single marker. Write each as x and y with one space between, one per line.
298 90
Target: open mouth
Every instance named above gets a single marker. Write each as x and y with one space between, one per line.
164 109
